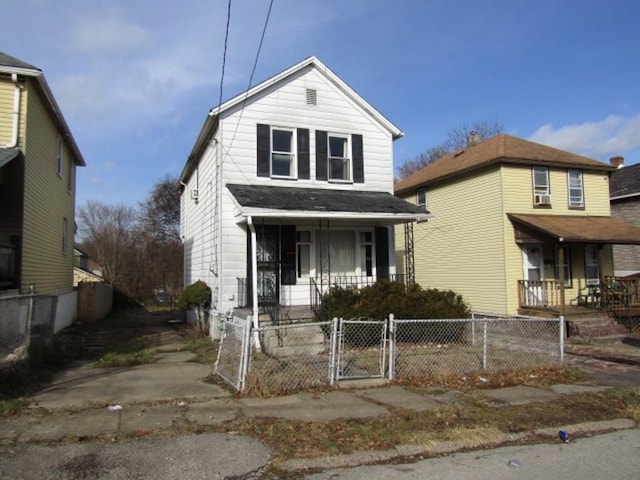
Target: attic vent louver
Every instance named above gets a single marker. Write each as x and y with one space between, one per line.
312 96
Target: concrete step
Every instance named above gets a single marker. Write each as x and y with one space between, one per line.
293 340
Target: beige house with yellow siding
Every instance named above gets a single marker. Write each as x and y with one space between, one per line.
38 160
517 226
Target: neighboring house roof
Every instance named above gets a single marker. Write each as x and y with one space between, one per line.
501 148
11 65
260 201
211 123
625 182
580 228
8 154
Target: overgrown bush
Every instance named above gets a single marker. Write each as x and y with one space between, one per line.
197 296
405 302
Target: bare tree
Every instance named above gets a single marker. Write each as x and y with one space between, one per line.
160 212
109 233
457 139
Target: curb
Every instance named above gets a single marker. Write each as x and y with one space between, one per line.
443 448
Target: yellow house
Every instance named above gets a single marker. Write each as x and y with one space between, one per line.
517 226
38 160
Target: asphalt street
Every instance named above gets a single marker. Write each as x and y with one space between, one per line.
602 457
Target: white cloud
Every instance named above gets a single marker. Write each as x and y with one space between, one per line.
107 32
614 135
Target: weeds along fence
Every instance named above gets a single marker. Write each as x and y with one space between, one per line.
26 325
278 359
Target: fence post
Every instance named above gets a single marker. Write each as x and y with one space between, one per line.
473 328
333 342
246 352
392 346
561 338
484 346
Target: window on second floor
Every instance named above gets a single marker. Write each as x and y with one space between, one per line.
421 198
69 175
339 162
65 230
59 156
541 186
283 157
576 188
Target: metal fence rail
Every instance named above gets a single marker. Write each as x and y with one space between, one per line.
282 358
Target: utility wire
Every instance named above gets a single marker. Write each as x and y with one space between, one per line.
224 53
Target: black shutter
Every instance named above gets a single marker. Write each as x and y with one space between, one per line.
264 150
321 155
288 255
382 252
358 158
303 153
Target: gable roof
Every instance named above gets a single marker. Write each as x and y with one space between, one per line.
14 66
267 200
501 148
210 126
625 182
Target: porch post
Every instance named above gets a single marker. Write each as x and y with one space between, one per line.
560 257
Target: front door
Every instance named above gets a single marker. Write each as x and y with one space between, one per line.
534 275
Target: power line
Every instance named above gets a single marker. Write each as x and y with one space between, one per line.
224 53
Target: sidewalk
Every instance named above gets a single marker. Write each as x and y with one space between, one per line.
175 395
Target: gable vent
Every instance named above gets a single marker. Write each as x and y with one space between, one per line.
312 96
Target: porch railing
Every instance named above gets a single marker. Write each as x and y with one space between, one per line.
538 293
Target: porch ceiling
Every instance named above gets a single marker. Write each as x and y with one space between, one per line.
580 228
291 202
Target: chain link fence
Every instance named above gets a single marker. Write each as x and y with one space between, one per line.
278 359
26 325
464 346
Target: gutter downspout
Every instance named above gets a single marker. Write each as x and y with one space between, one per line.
254 281
16 112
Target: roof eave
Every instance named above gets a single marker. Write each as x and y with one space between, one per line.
373 216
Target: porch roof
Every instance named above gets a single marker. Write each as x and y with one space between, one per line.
292 202
580 228
8 154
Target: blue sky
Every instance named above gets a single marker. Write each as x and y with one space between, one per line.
136 78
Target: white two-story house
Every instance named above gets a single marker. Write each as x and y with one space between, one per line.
288 190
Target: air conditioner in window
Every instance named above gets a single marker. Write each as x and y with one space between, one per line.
194 194
542 199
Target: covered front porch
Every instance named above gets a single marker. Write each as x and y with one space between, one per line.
568 265
301 242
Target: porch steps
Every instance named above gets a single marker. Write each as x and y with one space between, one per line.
593 326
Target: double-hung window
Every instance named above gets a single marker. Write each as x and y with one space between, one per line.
421 198
283 158
566 266
591 268
541 186
576 188
339 162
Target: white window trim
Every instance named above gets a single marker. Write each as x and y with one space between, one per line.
536 188
581 204
311 245
423 192
348 158
294 149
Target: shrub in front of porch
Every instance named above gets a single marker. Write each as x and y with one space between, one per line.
405 302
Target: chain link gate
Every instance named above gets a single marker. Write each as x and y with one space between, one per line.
361 349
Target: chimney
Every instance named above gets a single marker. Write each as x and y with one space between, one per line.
617 161
472 138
